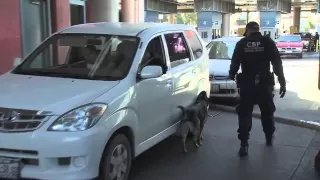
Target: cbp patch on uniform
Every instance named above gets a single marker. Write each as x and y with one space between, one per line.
253 47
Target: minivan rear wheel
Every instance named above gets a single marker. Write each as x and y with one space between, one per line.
116 160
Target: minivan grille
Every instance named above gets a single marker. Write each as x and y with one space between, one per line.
17 120
288 48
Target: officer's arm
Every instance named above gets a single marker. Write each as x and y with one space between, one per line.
276 62
235 61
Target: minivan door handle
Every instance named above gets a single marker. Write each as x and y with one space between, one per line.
194 71
169 82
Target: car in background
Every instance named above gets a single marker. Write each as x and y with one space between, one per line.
220 56
290 45
306 38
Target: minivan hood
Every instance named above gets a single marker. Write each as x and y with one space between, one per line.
57 95
219 67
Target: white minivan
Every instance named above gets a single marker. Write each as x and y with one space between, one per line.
93 96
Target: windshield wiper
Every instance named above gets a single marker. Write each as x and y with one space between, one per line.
51 74
66 75
32 73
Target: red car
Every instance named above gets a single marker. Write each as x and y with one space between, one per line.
290 45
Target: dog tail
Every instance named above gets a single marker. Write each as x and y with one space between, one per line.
184 113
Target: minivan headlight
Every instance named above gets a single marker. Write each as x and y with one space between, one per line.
79 119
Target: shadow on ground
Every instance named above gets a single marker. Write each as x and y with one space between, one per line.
289 159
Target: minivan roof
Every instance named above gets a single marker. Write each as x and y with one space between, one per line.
122 28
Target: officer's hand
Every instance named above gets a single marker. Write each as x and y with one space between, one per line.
282 91
232 77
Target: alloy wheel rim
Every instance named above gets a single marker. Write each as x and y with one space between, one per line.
118 163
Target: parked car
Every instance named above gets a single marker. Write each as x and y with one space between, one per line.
92 97
306 38
290 45
220 59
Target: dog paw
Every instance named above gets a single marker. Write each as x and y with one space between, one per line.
197 145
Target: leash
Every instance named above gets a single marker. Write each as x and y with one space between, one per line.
214 115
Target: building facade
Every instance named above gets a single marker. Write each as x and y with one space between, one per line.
26 23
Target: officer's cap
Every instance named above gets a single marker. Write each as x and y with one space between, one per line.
251 25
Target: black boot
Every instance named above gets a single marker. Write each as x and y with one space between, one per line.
243 151
269 140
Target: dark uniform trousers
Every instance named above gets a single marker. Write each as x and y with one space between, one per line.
249 96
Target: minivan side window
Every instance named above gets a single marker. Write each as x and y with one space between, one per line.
154 55
177 48
195 44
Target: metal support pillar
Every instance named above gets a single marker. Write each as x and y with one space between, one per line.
139 11
225 28
132 11
296 17
172 18
128 10
103 10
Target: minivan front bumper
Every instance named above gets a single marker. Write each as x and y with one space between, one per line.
55 155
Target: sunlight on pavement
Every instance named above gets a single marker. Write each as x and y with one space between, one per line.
302 81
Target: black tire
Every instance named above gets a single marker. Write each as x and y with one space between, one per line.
118 141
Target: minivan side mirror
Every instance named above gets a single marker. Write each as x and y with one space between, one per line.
151 72
17 62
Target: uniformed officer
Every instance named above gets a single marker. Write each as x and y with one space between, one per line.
254 53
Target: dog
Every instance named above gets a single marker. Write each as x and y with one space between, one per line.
190 124
192 121
202 107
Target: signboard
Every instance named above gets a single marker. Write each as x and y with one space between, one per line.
267 5
268 19
217 20
205 19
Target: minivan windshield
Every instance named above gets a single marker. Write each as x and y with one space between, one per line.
82 56
295 38
222 50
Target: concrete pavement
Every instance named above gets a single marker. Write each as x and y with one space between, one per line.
302 100
291 157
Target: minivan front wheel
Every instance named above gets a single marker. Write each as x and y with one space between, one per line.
116 161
